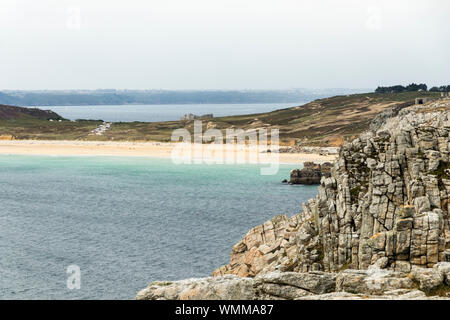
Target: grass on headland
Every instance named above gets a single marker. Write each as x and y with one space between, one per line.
323 122
33 129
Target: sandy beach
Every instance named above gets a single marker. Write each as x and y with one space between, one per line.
150 149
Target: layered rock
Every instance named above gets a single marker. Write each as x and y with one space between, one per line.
387 196
349 284
386 202
383 213
266 248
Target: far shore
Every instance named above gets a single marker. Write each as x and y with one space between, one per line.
141 149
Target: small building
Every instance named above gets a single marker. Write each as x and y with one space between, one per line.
191 116
422 100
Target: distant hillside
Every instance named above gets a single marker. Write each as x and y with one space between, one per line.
323 122
125 97
14 113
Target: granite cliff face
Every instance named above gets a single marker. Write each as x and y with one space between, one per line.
383 214
387 199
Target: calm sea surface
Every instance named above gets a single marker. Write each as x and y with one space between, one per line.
126 221
152 113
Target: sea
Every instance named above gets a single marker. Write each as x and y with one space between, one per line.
166 112
124 222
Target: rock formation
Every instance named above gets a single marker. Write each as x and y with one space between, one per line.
315 285
311 173
379 223
265 248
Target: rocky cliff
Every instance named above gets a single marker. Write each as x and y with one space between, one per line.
384 207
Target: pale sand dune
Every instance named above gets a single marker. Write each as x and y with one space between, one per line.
148 149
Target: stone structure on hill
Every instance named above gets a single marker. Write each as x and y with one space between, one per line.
422 100
191 116
311 173
379 225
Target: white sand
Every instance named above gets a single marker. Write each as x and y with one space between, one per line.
152 149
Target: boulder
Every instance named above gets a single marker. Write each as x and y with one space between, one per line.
444 269
427 278
314 282
221 288
372 281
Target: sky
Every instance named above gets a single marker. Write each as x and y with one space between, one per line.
222 44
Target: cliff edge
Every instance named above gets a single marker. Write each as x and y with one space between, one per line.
381 220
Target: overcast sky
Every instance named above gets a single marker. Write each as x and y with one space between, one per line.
222 44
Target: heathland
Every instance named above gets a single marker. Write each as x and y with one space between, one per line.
322 122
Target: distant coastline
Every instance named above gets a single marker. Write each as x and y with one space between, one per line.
321 123
140 97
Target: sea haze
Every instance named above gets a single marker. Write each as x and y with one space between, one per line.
126 221
166 112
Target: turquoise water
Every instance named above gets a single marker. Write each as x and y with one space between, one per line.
126 221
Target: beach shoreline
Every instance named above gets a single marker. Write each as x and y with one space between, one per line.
143 149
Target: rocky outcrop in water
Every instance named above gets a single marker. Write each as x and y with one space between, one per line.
380 222
311 173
